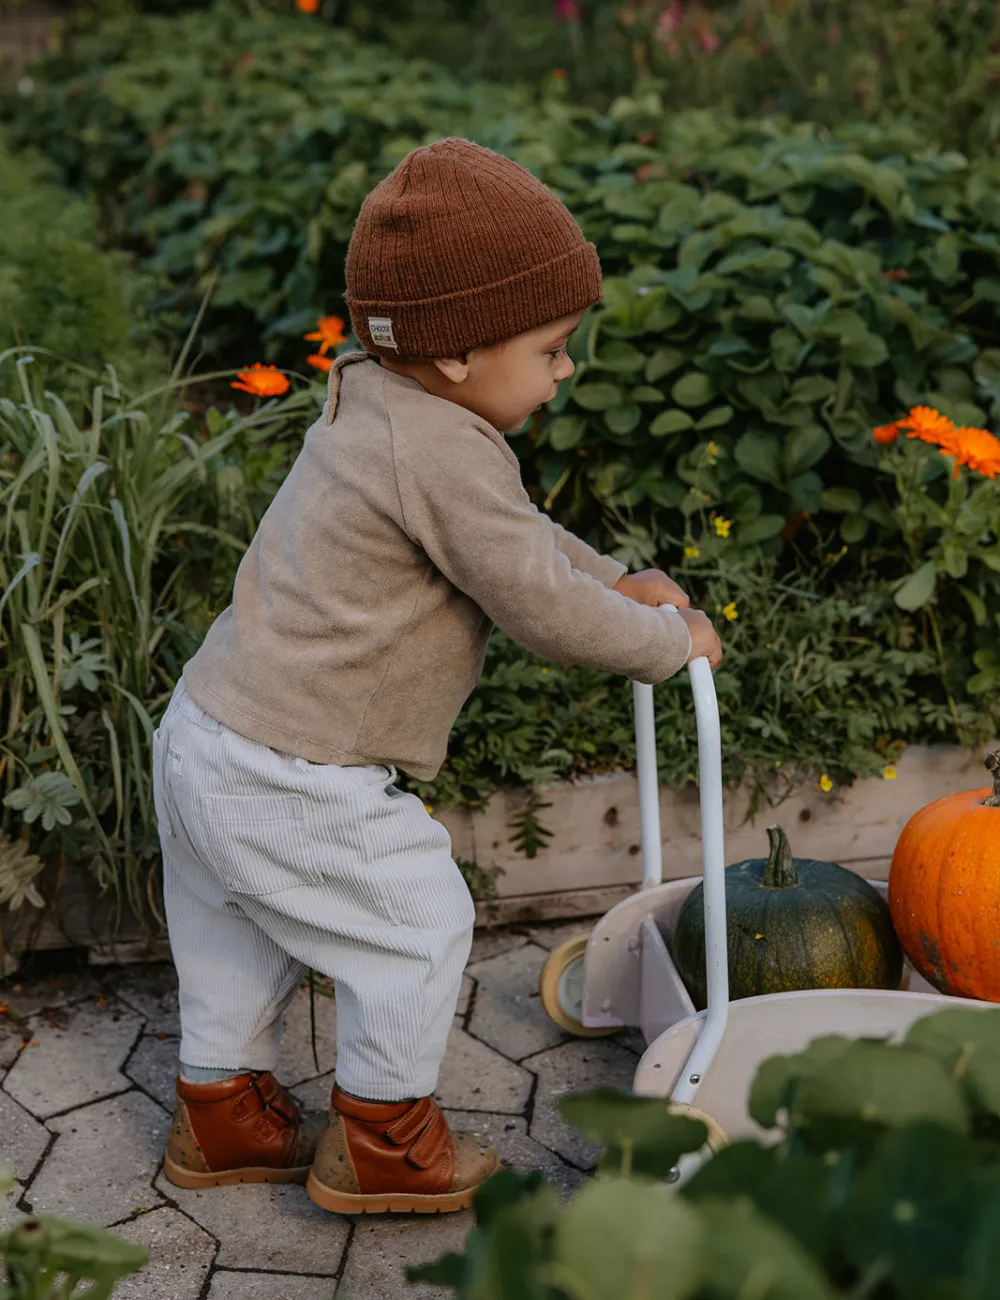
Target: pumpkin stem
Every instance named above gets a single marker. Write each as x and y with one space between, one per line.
993 766
779 872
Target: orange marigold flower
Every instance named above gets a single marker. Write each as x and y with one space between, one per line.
307 6
886 433
929 425
978 449
261 381
320 361
328 333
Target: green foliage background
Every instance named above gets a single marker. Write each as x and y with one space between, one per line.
61 293
774 288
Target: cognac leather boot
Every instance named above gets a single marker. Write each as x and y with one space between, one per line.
241 1130
395 1155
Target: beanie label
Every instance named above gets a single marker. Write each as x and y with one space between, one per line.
380 328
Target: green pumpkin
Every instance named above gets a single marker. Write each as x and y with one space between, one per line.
793 924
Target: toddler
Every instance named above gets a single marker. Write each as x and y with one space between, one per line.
357 629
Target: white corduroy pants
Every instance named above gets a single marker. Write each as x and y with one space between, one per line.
273 865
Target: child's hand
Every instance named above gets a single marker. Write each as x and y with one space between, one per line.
652 587
704 638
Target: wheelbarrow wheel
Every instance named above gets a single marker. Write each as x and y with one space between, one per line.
716 1138
561 989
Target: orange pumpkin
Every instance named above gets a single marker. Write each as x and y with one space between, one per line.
944 891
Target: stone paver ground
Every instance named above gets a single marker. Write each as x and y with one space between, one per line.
87 1066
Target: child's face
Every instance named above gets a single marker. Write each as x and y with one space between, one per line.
504 382
509 381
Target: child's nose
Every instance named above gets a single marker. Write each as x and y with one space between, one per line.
566 368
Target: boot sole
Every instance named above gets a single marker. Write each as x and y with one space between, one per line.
181 1177
386 1202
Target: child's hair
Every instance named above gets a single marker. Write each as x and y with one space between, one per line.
460 247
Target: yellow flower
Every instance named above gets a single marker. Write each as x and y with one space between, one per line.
545 672
713 451
691 552
428 808
889 773
825 784
722 526
730 611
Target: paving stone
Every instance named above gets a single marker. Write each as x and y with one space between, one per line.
509 1135
29 995
551 936
9 1213
77 1062
269 1286
631 1038
154 1065
104 1160
508 1013
180 1255
265 1226
24 1139
296 1060
489 943
474 1077
575 1067
11 1039
314 1094
152 991
465 995
382 1248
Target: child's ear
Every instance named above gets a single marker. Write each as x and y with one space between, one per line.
454 369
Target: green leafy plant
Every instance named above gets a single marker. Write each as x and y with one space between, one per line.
949 518
773 294
933 63
59 289
811 683
18 869
883 1184
774 290
122 533
247 168
49 1258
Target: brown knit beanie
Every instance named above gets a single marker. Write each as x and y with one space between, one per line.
458 248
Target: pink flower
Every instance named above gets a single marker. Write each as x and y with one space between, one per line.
566 11
708 40
669 20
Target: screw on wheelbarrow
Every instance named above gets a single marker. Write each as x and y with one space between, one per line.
623 974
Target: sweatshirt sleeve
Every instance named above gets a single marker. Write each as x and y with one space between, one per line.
584 557
463 503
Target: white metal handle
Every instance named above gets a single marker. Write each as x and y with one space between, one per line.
713 852
649 785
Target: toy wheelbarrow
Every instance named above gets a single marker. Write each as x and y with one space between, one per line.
623 973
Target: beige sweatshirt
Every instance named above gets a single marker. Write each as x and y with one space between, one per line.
363 605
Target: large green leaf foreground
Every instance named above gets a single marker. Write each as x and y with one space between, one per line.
50 1258
885 1182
